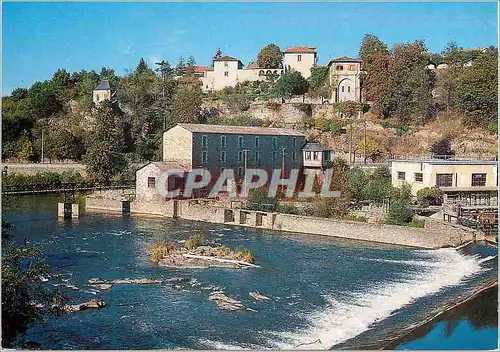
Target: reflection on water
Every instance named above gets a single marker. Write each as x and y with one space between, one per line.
337 290
472 325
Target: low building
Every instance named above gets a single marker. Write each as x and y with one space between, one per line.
103 92
457 178
316 156
147 180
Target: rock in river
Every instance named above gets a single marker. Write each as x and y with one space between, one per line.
226 303
258 296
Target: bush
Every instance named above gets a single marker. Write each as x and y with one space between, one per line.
223 252
306 108
430 196
400 212
290 84
306 122
417 223
160 250
334 127
287 209
330 208
442 148
196 239
243 254
259 200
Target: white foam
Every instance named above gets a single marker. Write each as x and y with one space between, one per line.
340 321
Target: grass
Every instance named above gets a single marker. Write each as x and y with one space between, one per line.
243 254
160 250
196 239
353 217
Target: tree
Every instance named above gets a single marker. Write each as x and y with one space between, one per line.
370 46
476 91
23 268
377 82
62 144
270 56
181 65
141 66
27 152
104 158
319 78
290 84
379 185
186 107
357 183
442 148
400 212
412 83
191 61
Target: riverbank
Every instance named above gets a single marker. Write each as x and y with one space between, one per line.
435 234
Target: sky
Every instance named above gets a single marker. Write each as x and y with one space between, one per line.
39 38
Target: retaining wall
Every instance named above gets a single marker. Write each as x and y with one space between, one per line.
435 234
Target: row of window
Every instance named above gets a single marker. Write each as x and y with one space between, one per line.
315 155
241 156
348 89
223 142
349 67
445 180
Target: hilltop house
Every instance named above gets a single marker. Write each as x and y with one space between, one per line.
102 92
345 78
228 71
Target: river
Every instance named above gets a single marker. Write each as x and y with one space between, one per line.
339 293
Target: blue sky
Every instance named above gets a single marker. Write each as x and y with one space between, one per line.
39 38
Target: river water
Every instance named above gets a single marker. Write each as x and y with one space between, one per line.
339 293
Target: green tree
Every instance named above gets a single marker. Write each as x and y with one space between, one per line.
290 84
186 107
412 84
319 78
104 158
270 56
23 268
62 144
27 152
181 65
191 61
357 184
477 91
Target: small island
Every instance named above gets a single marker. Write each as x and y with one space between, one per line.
197 254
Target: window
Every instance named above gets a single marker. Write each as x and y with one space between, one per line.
343 89
275 142
419 177
315 155
204 141
275 156
225 64
226 73
299 57
98 98
444 180
257 157
478 180
240 141
308 156
348 89
223 156
294 156
294 142
223 141
401 175
204 156
240 156
151 182
352 67
339 68
256 142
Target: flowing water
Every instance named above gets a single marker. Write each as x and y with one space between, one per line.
333 292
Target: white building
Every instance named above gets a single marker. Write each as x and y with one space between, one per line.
345 79
228 71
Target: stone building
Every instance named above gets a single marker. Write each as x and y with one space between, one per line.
216 147
102 92
345 79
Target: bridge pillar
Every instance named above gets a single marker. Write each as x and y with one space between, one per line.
68 210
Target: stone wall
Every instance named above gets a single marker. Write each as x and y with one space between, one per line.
436 233
33 168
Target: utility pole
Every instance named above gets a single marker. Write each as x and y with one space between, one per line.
42 145
283 162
